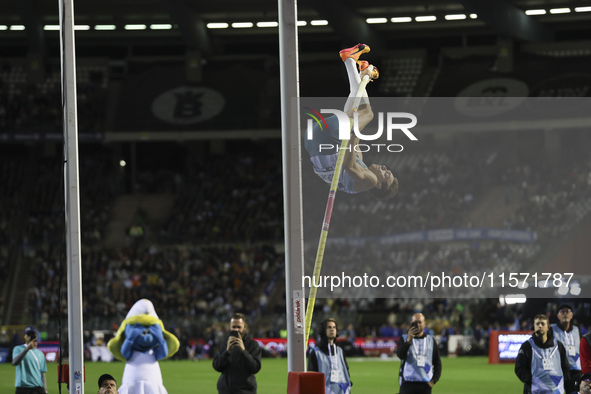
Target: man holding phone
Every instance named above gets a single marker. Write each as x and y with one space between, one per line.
421 365
30 365
239 361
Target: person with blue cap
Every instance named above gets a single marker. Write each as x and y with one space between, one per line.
30 365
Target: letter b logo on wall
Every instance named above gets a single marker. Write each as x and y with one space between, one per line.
187 105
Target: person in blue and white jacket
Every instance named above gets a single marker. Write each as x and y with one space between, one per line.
542 364
421 365
329 359
570 336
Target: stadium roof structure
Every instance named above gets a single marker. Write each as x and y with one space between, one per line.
249 26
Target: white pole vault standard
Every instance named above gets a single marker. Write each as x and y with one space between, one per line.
328 213
72 199
292 185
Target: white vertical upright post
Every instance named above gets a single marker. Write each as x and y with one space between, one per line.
292 185
72 199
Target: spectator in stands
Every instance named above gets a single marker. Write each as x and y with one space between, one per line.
30 365
328 358
386 331
239 361
567 333
421 365
542 364
4 339
351 333
356 176
107 384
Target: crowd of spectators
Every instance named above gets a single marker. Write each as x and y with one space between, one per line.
440 190
36 107
196 272
190 287
420 260
45 213
227 198
215 254
446 191
433 187
11 172
558 198
25 106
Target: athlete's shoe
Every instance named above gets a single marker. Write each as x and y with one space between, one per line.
375 74
363 64
354 52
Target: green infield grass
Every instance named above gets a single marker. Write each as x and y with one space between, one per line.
371 376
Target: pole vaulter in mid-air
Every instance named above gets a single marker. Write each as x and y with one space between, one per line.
343 168
323 148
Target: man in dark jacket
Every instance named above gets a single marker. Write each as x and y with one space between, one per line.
239 361
542 364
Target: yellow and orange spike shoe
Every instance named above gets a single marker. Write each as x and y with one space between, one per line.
375 74
354 52
363 64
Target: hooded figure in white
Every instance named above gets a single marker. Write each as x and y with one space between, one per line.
140 342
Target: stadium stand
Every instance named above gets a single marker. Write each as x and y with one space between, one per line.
35 107
220 247
400 74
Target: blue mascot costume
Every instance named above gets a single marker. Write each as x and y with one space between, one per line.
140 342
